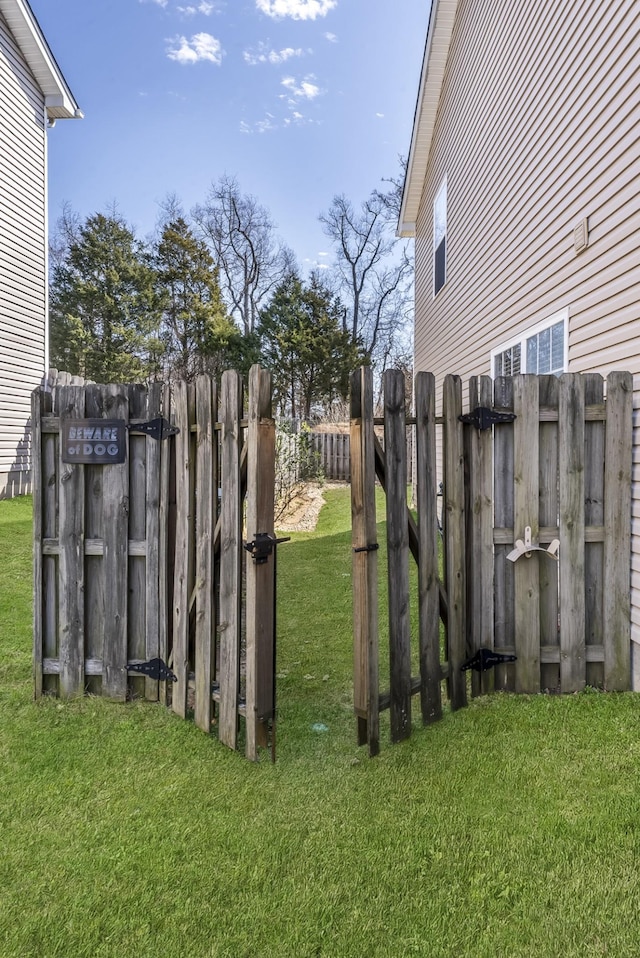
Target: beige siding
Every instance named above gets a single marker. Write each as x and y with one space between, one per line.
538 126
22 258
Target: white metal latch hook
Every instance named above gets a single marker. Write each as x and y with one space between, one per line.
527 547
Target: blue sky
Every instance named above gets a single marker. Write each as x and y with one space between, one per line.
299 99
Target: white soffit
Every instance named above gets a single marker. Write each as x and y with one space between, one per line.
443 13
59 100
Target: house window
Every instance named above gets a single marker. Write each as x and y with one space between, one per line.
540 350
440 239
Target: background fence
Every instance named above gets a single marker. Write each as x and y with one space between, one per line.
552 473
146 559
333 450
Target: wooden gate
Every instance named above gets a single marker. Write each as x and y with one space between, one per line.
146 559
528 559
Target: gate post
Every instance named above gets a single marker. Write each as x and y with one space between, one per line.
454 539
428 591
365 561
260 607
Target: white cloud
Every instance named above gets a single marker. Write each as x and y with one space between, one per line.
205 7
380 115
201 46
304 89
260 126
296 9
160 3
264 55
331 37
264 126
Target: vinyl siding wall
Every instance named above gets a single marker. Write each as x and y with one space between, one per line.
22 259
538 126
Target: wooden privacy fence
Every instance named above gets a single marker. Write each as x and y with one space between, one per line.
145 558
536 521
333 450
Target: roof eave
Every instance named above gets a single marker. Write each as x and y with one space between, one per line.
434 63
59 100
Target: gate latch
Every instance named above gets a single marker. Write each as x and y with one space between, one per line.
484 418
527 547
485 659
156 428
262 546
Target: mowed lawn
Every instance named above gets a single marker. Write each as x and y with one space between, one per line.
511 828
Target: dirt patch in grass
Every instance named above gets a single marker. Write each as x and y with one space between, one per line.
302 512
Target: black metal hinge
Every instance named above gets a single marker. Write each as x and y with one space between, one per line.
154 669
485 659
262 546
484 418
370 548
155 428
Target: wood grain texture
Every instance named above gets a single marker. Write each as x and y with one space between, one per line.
230 557
71 561
548 515
38 597
504 602
364 561
397 554
594 460
260 577
526 572
454 538
154 453
207 482
183 526
165 545
479 525
617 520
571 486
428 597
115 487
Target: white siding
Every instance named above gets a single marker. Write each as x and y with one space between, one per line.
22 258
538 126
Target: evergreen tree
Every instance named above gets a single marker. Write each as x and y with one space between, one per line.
304 345
196 333
103 306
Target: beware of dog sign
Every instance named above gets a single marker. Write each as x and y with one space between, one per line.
94 441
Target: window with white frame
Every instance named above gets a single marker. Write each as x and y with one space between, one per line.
541 350
440 239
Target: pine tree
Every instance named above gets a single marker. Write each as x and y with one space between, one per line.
196 333
103 305
304 345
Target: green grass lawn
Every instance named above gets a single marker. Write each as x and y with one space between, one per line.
511 828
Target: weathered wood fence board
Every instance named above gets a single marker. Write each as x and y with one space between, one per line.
146 559
333 452
397 555
428 595
454 539
617 532
260 576
364 562
479 525
503 482
557 466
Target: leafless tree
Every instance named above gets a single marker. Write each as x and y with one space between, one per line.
250 259
373 270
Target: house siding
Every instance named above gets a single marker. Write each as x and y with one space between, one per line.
537 127
22 258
